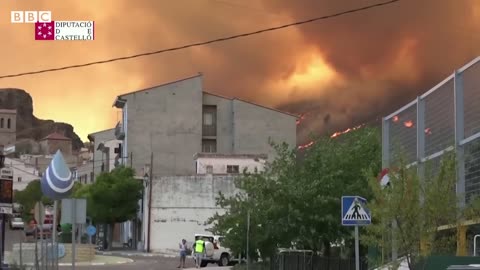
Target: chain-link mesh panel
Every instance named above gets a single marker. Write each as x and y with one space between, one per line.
403 135
439 119
471 93
472 169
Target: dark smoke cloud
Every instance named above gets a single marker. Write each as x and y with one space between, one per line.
443 38
381 58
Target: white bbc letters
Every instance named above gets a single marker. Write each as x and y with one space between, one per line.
30 16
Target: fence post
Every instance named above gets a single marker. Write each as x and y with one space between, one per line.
298 261
420 140
460 155
20 255
459 135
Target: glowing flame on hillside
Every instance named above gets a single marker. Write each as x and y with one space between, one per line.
336 134
307 145
301 118
408 123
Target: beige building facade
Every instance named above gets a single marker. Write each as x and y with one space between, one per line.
8 126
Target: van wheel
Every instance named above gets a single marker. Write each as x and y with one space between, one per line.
224 260
203 264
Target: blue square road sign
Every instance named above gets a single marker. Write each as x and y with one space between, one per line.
355 212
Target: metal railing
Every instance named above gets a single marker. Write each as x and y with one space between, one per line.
445 118
209 130
36 254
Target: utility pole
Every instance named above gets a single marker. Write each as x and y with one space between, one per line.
248 239
133 230
93 167
150 200
131 159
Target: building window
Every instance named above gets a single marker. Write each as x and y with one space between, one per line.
209 115
8 123
209 169
209 120
1 123
19 179
209 146
233 169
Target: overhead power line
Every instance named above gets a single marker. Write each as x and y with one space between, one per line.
200 43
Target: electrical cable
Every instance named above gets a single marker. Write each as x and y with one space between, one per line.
201 43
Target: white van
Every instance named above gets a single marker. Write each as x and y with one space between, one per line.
214 251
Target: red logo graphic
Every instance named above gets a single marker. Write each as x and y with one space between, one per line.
45 30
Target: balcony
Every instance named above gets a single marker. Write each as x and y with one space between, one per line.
119 132
209 130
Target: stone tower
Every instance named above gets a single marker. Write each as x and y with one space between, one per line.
8 127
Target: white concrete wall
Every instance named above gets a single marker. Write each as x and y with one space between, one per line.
100 137
26 173
181 205
220 164
113 144
84 171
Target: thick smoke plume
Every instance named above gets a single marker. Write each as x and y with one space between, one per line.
341 72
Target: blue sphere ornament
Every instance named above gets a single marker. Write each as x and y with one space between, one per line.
57 181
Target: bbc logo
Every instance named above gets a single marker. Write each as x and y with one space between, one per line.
30 16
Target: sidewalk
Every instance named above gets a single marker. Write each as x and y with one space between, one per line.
97 261
101 260
133 253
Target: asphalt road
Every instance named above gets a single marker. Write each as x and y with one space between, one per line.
143 263
140 262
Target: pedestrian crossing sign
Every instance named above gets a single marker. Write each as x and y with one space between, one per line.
355 212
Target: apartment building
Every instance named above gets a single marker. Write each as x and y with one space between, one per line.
106 151
177 120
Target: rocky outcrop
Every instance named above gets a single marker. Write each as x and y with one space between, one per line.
28 126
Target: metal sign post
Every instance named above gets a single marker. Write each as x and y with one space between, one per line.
74 211
74 214
91 230
355 213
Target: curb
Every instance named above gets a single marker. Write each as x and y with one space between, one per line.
97 263
89 264
126 254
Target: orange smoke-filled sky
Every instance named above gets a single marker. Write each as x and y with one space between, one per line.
341 71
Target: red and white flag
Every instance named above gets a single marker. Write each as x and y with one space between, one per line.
384 179
45 30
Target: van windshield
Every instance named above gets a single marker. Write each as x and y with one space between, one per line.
204 238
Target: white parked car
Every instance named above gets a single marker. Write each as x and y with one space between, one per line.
214 251
17 223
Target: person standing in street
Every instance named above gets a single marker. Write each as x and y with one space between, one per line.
183 253
199 249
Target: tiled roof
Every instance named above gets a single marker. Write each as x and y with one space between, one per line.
56 136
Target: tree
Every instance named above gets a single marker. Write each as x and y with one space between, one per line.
112 198
419 206
295 202
29 197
